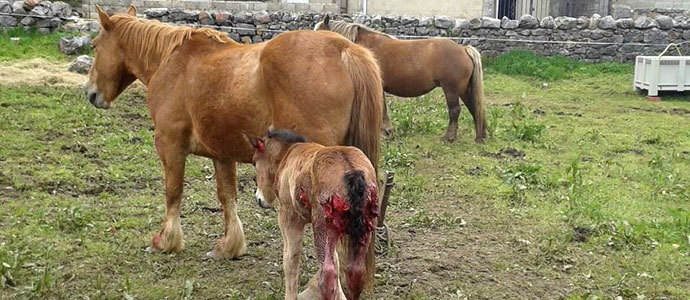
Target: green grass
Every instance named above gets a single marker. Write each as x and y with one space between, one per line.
583 190
31 44
558 67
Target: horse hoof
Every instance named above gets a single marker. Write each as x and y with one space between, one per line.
387 132
447 139
213 254
151 250
382 240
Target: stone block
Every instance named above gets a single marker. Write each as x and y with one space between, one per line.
509 24
607 23
491 23
443 22
547 23
528 21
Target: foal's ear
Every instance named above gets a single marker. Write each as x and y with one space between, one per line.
326 19
256 141
106 23
132 10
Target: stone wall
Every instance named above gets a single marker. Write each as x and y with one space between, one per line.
44 16
89 6
594 39
591 39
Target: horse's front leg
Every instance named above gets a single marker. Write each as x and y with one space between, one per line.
173 157
292 230
232 244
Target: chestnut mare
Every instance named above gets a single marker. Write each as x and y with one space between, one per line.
415 67
204 90
333 188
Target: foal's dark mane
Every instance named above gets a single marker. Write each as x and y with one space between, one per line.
285 136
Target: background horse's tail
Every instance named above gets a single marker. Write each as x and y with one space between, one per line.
364 131
477 93
361 221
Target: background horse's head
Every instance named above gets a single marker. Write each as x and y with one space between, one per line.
108 76
324 23
269 151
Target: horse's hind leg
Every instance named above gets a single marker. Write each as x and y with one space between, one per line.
387 126
292 230
312 292
477 115
170 238
453 102
232 243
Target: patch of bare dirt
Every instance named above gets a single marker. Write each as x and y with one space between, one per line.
488 258
673 111
39 70
510 152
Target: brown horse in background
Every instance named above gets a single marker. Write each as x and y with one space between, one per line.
415 67
333 188
204 90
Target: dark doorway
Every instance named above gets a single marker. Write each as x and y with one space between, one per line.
507 8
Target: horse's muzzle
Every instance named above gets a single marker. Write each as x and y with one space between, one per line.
260 200
95 97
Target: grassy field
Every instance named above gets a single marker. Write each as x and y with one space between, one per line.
582 192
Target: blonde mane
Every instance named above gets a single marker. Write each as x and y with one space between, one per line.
351 30
157 40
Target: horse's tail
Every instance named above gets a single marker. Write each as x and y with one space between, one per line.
477 93
364 131
360 218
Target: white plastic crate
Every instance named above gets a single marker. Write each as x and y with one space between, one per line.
662 73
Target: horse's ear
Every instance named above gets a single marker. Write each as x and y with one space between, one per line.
106 23
256 141
326 19
132 10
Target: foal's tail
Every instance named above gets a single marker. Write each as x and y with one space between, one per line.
361 220
477 93
364 131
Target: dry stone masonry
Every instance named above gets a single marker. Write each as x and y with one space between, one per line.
44 16
592 39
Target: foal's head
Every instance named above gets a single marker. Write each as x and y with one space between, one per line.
108 76
269 151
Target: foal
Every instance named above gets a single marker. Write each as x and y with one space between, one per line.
334 189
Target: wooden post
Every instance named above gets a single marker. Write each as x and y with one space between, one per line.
382 237
387 187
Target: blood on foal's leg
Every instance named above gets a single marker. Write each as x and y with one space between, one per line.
232 244
169 239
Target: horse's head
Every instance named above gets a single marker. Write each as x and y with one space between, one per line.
269 151
324 24
108 76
